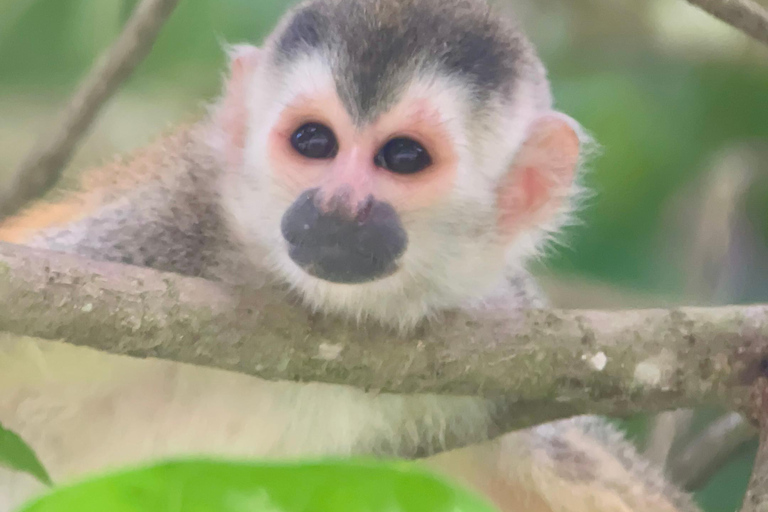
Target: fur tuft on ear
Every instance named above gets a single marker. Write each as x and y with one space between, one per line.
230 117
541 177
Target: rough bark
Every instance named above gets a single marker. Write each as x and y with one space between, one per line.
550 364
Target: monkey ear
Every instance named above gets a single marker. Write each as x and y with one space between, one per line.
231 114
541 176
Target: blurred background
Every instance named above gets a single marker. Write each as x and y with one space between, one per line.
677 101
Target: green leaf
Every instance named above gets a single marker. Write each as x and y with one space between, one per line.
15 454
202 486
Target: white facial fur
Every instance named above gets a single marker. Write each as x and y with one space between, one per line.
454 253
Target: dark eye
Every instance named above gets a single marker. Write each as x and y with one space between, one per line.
403 156
314 140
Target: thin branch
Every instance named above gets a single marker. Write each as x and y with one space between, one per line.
668 427
746 15
43 166
704 455
548 364
756 497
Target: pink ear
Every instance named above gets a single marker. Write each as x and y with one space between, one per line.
541 175
232 116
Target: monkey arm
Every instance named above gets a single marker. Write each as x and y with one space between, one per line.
577 465
86 411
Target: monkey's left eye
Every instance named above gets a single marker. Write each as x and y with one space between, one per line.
403 156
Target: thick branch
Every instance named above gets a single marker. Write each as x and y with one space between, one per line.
745 15
43 166
552 364
756 498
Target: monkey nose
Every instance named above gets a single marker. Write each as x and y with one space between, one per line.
341 246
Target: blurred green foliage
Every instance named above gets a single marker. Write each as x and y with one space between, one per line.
658 115
52 43
657 123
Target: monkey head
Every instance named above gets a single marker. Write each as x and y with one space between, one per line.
391 157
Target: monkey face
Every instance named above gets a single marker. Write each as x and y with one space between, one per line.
413 206
371 215
353 185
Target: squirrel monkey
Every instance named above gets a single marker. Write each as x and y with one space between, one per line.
387 160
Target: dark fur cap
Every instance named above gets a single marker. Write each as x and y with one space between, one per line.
375 46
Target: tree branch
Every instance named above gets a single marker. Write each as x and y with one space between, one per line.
42 168
549 364
666 431
709 451
746 15
756 498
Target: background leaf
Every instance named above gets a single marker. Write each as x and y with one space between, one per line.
17 455
201 486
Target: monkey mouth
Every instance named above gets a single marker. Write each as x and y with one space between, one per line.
337 264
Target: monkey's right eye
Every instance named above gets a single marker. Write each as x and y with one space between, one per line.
315 140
